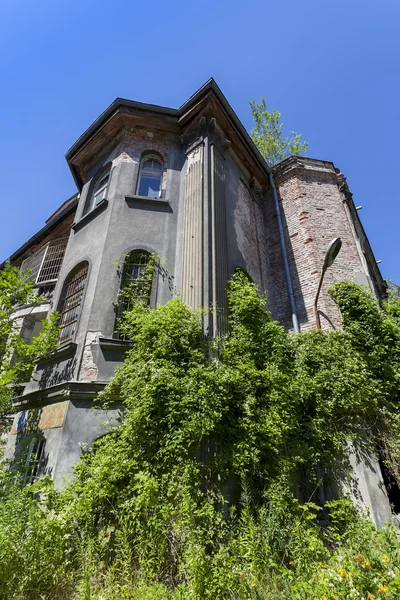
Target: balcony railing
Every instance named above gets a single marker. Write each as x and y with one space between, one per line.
45 264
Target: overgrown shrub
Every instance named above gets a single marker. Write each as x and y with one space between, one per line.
210 486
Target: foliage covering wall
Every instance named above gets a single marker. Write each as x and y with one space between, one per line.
209 488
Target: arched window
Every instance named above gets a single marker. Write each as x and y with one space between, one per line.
71 302
99 190
150 177
136 283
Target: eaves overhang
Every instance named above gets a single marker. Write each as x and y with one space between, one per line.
119 106
212 86
52 224
118 102
178 116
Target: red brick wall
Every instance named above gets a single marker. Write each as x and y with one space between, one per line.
313 214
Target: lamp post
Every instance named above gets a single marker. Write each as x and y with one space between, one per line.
331 253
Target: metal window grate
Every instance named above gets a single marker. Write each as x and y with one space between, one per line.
72 304
133 276
34 459
45 264
33 263
51 265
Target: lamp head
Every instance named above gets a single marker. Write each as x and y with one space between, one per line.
331 252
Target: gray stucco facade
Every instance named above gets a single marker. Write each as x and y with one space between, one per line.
214 213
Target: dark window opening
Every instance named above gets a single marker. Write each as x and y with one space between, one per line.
99 191
391 484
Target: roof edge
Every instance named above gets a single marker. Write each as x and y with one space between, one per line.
110 110
48 227
211 84
163 110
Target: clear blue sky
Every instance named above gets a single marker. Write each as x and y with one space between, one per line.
331 69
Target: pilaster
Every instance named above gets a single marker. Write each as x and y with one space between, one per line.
218 240
192 255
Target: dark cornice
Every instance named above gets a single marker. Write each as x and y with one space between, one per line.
70 390
209 90
118 103
211 85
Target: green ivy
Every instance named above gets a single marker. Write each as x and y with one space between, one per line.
209 488
17 357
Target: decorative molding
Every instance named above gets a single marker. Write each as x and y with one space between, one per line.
197 142
217 137
192 252
70 390
195 134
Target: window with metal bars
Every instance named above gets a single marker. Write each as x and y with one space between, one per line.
34 459
71 303
46 263
135 285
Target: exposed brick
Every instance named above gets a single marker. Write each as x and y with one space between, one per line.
313 213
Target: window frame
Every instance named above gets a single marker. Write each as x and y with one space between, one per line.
33 457
77 307
47 260
90 203
122 303
149 155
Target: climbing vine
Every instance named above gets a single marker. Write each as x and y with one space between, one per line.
210 487
17 357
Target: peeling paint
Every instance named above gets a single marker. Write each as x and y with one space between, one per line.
42 418
88 370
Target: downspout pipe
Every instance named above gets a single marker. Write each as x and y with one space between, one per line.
284 254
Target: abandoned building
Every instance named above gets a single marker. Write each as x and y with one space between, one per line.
189 185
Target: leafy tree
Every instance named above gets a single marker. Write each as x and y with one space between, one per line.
17 357
267 134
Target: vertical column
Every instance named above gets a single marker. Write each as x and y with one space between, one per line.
219 262
192 255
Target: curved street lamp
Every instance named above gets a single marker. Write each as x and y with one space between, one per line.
331 253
